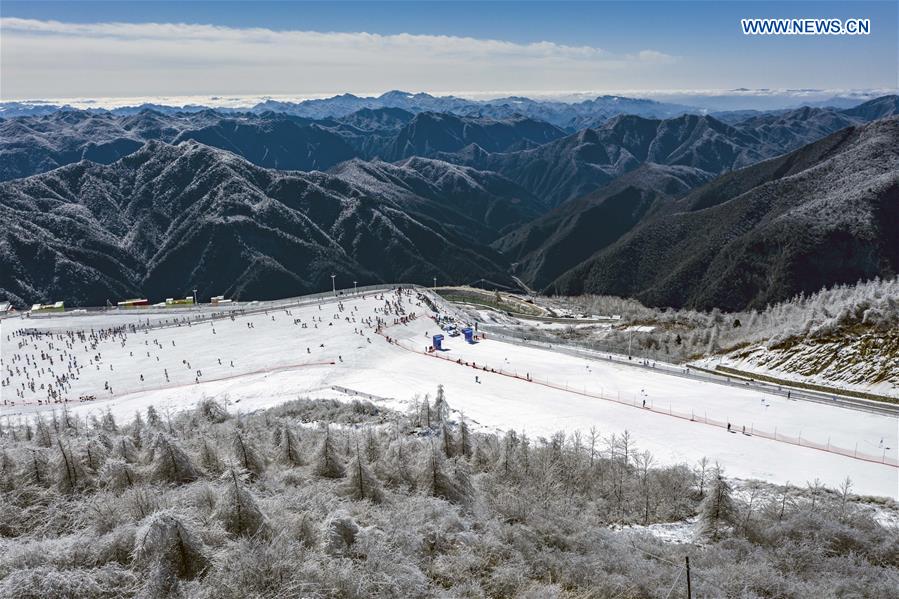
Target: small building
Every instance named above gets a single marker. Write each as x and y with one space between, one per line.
133 303
219 299
188 301
54 307
4 307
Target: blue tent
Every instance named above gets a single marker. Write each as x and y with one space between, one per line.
469 334
438 339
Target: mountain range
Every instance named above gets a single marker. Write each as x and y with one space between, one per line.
675 209
169 218
825 214
32 145
570 115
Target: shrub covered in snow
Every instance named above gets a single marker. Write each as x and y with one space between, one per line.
368 503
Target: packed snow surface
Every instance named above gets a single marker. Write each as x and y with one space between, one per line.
326 349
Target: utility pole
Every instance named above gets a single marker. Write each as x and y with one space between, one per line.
689 590
333 286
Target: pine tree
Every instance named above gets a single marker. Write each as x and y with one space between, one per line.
42 437
237 508
125 449
361 483
395 466
170 463
37 470
168 542
441 408
209 457
464 439
438 483
287 449
117 474
70 472
108 423
426 414
153 419
7 470
327 463
447 443
717 510
247 456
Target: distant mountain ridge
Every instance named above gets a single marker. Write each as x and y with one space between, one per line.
169 218
31 145
825 214
579 164
571 115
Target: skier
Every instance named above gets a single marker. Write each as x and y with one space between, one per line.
728 427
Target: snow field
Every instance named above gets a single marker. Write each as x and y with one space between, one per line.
272 365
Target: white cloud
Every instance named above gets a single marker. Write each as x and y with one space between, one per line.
56 59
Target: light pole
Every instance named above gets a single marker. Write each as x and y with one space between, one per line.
354 288
195 297
333 286
435 282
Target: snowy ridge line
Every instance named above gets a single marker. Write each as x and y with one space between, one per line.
692 417
694 372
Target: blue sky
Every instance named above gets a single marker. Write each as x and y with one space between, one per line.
433 46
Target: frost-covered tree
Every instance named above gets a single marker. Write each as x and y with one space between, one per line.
237 509
447 441
426 413
93 454
7 471
327 462
169 542
717 510
211 411
465 449
70 472
437 481
361 484
395 466
169 462
124 448
117 474
209 457
36 469
108 424
247 455
42 436
153 419
339 533
441 408
287 448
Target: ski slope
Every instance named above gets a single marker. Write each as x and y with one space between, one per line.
258 360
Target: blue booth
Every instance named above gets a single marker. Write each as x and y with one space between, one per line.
438 339
469 334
